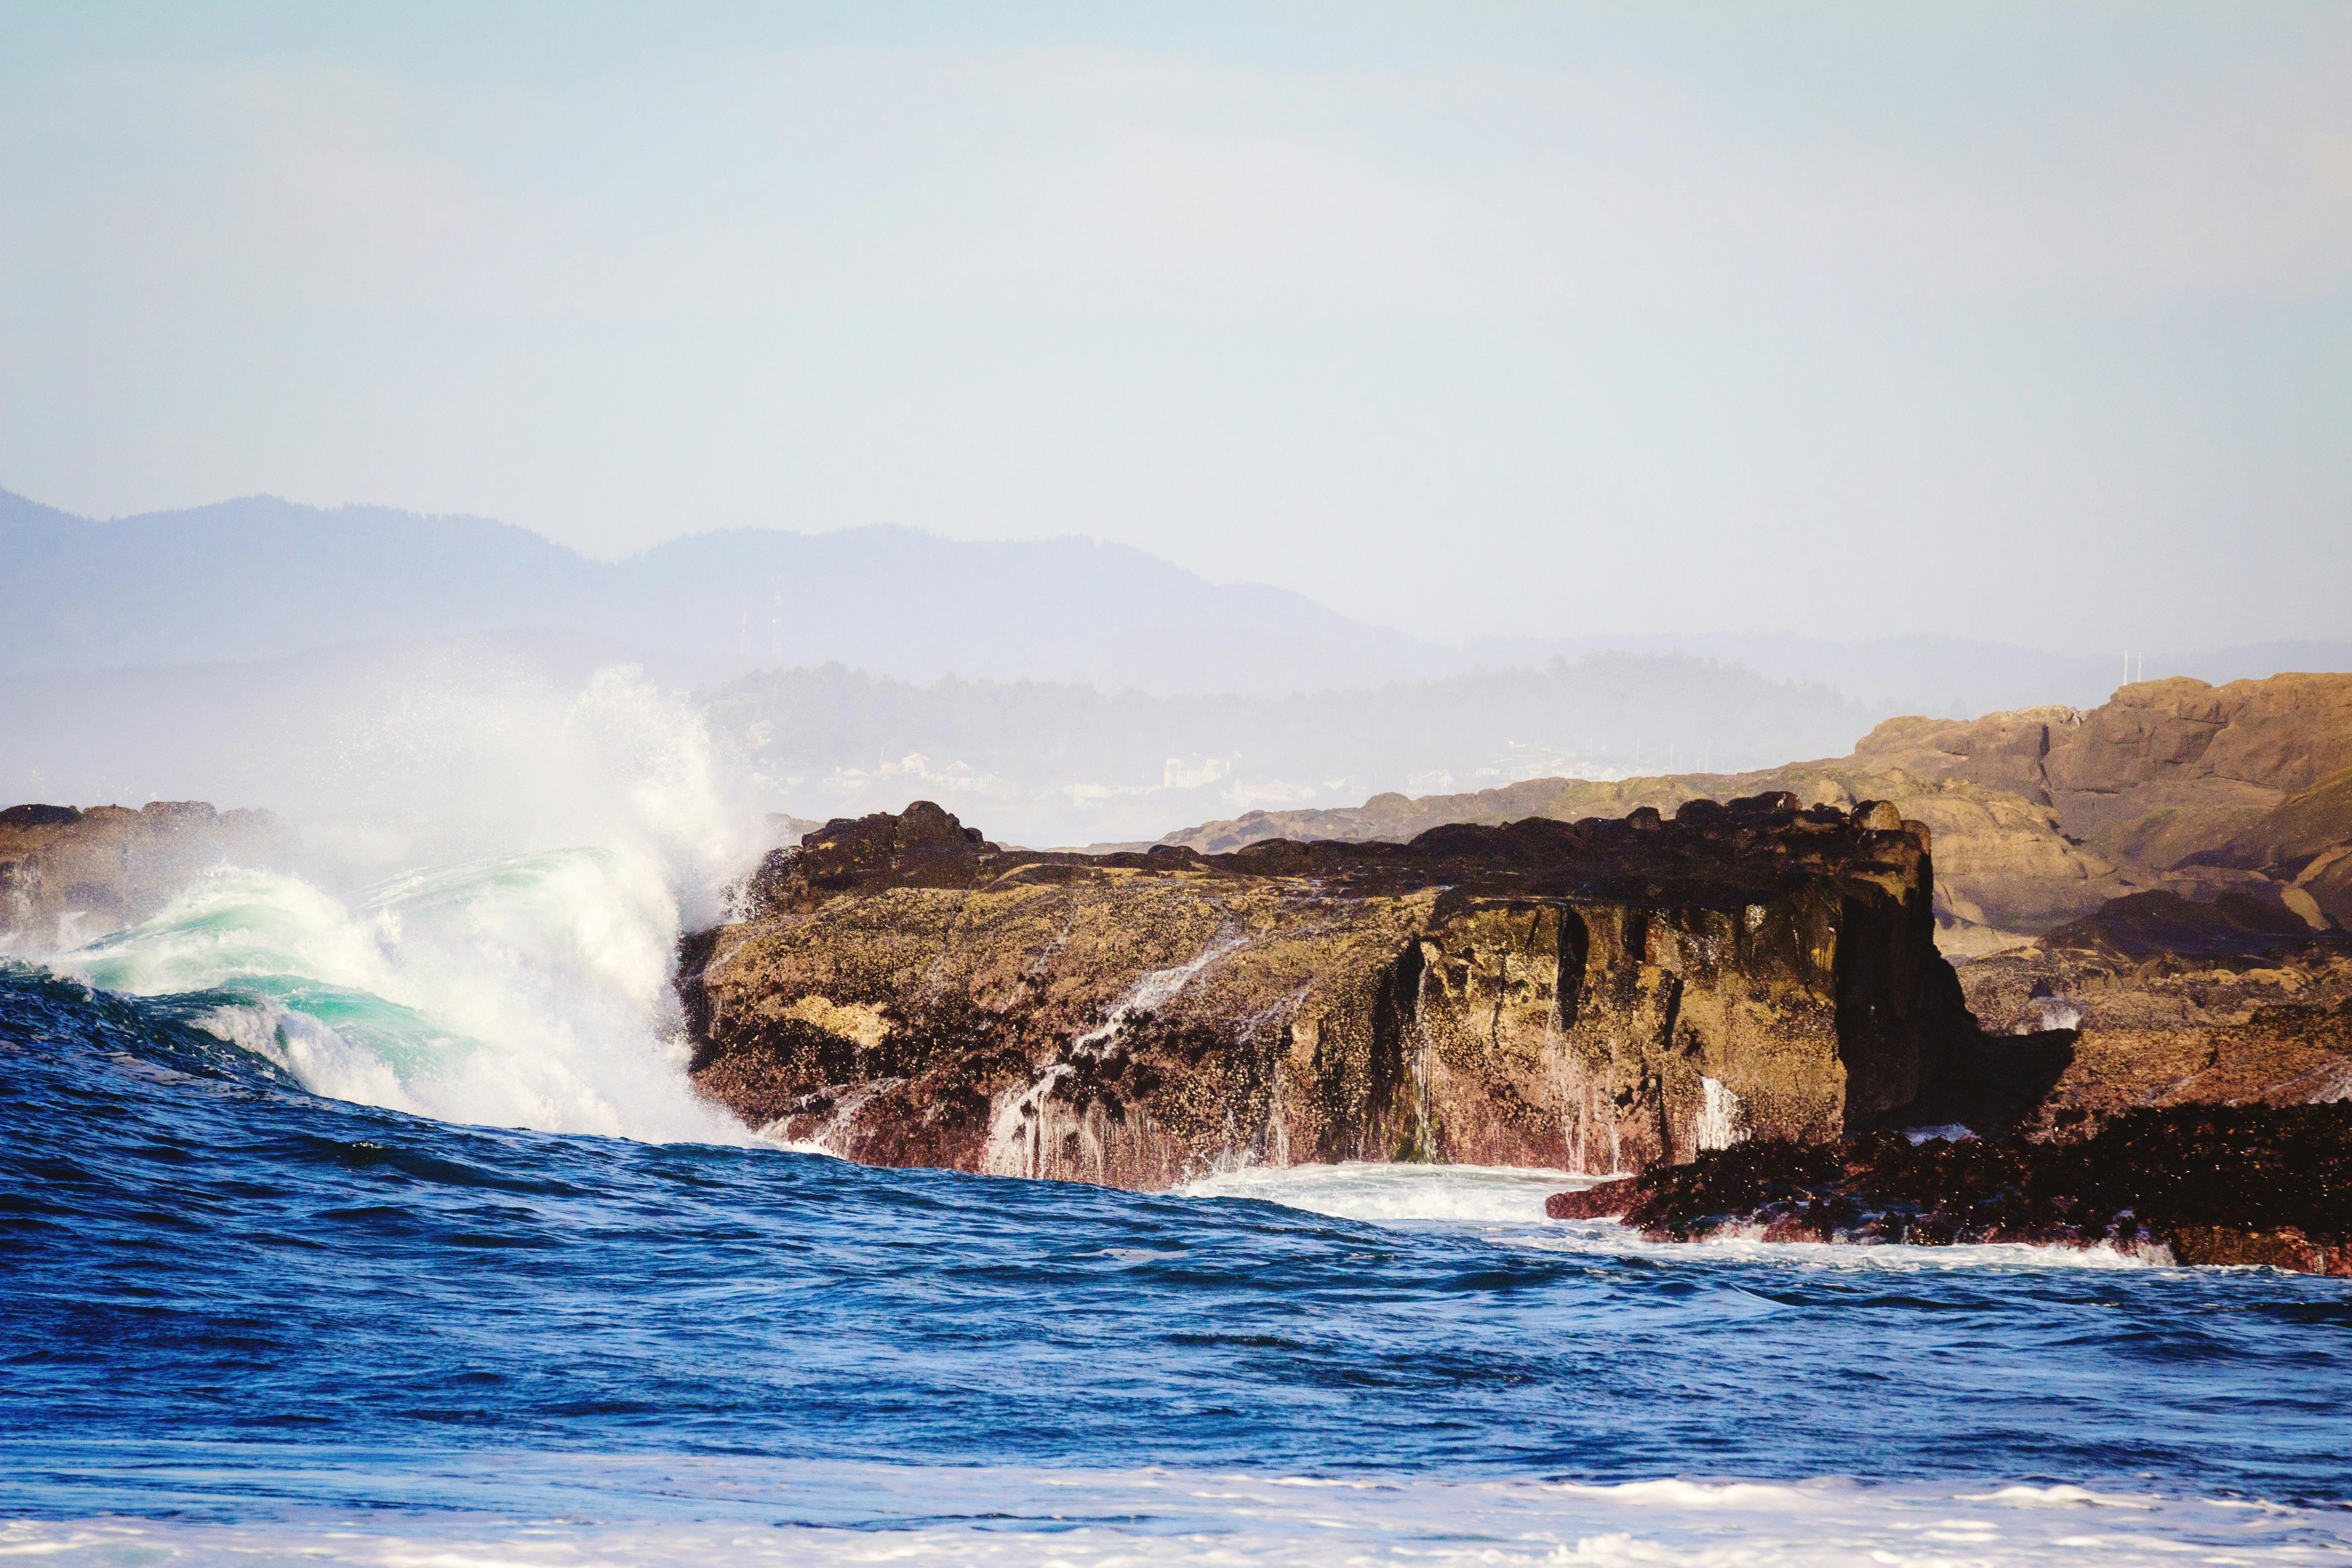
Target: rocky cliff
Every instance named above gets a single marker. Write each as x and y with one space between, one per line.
1602 995
2040 815
66 875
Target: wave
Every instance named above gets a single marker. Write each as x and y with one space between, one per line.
685 1510
521 978
246 1323
1390 1192
523 991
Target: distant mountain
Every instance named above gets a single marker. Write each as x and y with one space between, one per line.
262 578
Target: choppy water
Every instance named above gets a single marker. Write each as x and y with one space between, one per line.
242 1322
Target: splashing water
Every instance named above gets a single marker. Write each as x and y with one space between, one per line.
529 991
521 989
1718 1124
2058 1013
1024 1124
1153 991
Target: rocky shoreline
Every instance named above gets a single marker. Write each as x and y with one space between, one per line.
1605 995
1736 1008
1737 1011
2204 1183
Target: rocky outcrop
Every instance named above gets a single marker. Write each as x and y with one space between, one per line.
2175 1002
2209 1184
2041 816
2302 848
2175 782
1608 994
67 875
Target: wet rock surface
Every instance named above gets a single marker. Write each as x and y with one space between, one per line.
2213 1185
1600 996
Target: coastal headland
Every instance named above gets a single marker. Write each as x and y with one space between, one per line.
1688 985
1603 995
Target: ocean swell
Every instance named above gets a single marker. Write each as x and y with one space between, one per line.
247 1322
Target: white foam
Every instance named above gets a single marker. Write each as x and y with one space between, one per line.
724 1512
2055 1497
319 1059
1509 1202
527 991
1025 1127
1718 1124
2058 1013
528 988
1607 1236
1357 1190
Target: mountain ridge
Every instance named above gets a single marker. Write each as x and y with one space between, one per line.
700 606
252 577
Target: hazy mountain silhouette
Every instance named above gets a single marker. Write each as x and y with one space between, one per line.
261 578
1047 762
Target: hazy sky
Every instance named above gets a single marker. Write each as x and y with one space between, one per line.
2028 322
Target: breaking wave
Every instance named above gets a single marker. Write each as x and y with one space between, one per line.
527 991
528 986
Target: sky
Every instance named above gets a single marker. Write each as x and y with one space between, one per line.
2030 322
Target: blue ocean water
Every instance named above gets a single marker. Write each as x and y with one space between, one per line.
244 1322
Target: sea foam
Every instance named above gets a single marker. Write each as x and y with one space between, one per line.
730 1512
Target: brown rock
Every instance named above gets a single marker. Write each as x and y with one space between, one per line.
67 875
1605 1200
2154 1028
1598 995
2038 815
2289 1250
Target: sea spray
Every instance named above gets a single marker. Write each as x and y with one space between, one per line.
527 987
1025 1127
527 991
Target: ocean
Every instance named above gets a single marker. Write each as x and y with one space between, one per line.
286 1276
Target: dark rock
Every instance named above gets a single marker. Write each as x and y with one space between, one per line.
923 845
1605 1200
1602 995
2160 922
2213 1184
38 816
